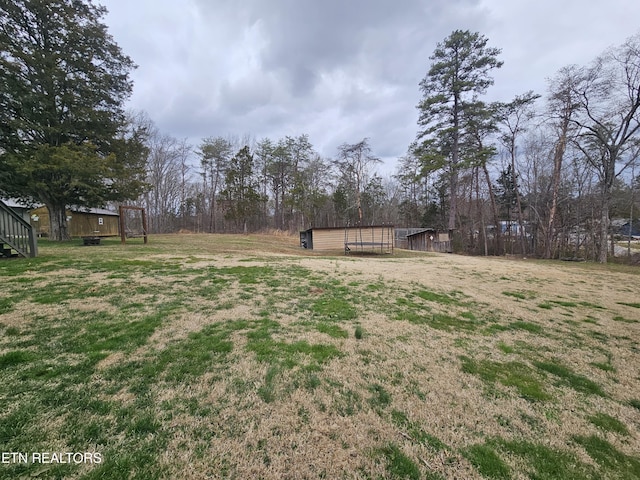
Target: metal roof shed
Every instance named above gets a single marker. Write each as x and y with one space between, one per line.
371 238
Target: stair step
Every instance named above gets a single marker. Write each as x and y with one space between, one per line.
6 251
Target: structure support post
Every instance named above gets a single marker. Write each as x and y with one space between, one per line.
121 219
123 233
144 224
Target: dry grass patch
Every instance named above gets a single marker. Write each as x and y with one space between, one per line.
238 358
181 325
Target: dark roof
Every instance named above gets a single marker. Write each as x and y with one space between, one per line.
13 203
95 211
92 211
350 227
421 232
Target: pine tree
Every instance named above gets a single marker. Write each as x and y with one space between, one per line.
459 72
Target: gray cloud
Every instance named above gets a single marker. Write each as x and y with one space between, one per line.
337 70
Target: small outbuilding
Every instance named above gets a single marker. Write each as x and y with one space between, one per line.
430 240
371 238
93 222
401 234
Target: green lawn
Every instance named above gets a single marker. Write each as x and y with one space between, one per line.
209 356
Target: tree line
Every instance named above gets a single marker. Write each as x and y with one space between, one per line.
536 175
560 166
241 185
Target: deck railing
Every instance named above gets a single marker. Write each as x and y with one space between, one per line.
16 232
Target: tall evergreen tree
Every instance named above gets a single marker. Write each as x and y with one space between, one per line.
63 133
459 72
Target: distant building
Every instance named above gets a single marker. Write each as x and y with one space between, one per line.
372 238
627 228
511 228
401 234
430 240
93 222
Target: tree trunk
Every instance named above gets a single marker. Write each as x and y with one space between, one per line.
455 158
633 177
480 208
521 230
453 199
213 202
494 210
58 227
604 225
558 155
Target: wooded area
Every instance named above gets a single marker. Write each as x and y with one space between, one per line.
537 175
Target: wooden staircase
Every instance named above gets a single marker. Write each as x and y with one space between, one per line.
16 235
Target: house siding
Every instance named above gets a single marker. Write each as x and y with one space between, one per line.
328 239
430 241
373 238
82 224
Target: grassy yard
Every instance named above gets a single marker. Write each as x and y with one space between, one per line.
201 356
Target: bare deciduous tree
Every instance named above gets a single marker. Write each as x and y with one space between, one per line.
353 163
563 106
609 120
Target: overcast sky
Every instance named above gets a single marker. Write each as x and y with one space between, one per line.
337 70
